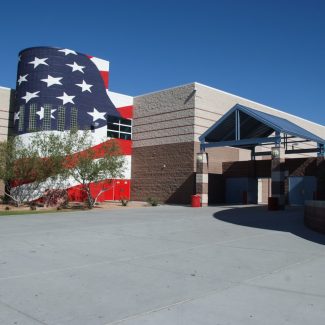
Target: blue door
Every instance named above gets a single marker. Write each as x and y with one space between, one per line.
301 189
235 188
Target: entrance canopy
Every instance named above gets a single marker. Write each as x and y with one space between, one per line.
244 127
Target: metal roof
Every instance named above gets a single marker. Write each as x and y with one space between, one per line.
242 126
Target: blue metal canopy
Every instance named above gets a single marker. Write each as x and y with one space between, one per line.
244 127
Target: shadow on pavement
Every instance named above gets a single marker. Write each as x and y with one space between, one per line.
289 220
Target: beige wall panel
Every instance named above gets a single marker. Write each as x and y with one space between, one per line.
199 130
206 122
6 112
218 101
3 123
244 154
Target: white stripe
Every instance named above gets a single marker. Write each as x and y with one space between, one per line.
120 100
98 136
102 65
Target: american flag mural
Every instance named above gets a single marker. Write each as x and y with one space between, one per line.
60 89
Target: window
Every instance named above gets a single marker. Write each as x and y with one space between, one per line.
32 117
74 118
125 136
114 127
119 128
112 134
21 118
61 118
47 117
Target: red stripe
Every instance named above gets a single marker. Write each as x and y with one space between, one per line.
124 147
105 77
126 111
116 190
104 74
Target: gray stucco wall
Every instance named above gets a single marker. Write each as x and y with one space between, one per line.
164 117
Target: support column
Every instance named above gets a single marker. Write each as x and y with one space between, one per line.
277 176
202 177
321 152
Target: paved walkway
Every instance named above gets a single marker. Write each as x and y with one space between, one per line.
165 265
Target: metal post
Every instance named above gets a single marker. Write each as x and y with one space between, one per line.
277 176
237 121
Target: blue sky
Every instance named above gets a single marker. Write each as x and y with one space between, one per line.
272 52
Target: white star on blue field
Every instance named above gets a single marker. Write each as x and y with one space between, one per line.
50 79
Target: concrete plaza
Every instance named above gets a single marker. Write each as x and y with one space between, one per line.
164 265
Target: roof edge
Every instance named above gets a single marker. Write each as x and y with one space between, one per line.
165 89
7 88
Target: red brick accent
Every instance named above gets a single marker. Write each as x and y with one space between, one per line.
164 172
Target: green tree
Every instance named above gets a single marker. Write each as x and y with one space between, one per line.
87 166
51 160
28 167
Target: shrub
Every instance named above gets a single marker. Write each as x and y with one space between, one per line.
32 206
5 199
124 201
152 201
7 208
56 197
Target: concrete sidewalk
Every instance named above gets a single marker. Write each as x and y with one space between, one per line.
163 265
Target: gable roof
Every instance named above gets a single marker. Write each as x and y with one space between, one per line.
253 124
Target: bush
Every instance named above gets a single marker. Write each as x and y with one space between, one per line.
152 201
7 208
56 197
32 206
124 201
5 199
